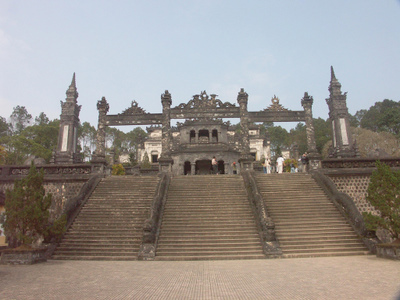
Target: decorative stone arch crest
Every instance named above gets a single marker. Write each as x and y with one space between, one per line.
203 101
275 105
135 109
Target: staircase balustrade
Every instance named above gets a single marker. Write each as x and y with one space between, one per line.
264 222
347 208
152 224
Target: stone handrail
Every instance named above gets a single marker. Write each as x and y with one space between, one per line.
357 163
346 206
73 207
152 224
264 222
12 172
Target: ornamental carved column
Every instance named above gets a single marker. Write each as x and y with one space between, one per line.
342 141
313 155
100 153
246 160
66 152
165 160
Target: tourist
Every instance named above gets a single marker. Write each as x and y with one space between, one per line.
304 162
264 165
292 169
234 168
268 165
279 164
214 164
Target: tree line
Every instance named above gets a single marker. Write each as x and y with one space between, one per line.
22 136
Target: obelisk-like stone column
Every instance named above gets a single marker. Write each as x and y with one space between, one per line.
246 160
100 153
66 152
165 159
342 142
313 155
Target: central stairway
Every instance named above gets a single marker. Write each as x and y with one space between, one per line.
307 223
110 225
208 217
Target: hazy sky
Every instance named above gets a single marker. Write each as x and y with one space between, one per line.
135 50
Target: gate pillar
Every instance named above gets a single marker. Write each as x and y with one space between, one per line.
165 159
313 155
246 160
100 152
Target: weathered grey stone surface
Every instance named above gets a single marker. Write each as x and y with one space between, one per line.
355 277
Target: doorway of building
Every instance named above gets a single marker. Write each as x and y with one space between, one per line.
187 168
221 167
203 167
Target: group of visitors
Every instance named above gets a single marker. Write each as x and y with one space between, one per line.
214 165
280 164
267 166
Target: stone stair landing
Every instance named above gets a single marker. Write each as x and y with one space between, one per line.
307 223
208 217
110 225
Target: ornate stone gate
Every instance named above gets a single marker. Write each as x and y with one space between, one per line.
204 107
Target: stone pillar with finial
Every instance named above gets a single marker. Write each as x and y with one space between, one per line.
165 159
99 156
342 142
66 152
314 157
245 160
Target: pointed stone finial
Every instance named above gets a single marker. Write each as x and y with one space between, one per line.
333 77
73 83
72 92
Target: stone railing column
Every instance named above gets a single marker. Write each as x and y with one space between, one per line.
166 140
100 152
313 155
246 160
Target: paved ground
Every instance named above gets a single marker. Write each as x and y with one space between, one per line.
359 277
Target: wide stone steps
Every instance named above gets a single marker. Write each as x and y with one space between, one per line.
110 225
207 218
307 224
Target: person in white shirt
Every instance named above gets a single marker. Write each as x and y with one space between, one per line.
279 164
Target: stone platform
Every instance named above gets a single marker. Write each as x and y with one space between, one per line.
350 277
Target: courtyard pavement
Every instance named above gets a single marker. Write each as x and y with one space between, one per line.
353 277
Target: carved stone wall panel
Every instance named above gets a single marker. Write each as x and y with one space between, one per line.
61 191
356 187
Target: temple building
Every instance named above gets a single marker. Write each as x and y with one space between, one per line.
196 142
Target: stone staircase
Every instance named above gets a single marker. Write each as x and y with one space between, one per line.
307 223
109 226
208 217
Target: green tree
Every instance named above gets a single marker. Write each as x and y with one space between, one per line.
20 119
384 195
87 139
3 155
4 127
26 209
323 133
383 116
42 119
298 136
279 139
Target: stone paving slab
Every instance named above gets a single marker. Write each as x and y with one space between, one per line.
352 277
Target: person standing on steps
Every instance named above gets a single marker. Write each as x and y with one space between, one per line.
279 164
268 165
234 168
304 162
214 165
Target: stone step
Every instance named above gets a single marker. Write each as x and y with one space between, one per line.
222 256
210 252
110 225
100 258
